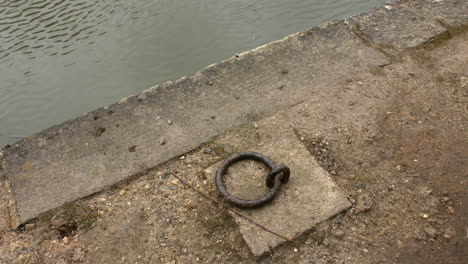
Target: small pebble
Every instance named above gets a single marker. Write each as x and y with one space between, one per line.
122 192
296 250
255 125
78 255
29 227
207 151
451 209
450 233
162 141
401 168
338 234
425 216
147 186
432 232
169 122
445 199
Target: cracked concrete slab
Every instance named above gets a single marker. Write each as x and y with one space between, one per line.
82 156
310 196
451 13
396 27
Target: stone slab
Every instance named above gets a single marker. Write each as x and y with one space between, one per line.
82 156
310 196
397 26
452 13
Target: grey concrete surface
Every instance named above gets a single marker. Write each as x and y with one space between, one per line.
450 13
82 156
408 24
308 198
404 28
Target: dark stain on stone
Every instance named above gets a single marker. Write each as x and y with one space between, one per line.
98 131
96 118
132 148
69 219
110 112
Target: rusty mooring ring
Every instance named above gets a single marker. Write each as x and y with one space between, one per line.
272 181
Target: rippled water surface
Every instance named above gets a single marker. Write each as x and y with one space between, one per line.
61 58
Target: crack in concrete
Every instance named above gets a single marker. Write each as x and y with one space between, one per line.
367 40
442 38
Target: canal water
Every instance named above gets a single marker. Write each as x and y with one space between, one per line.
62 58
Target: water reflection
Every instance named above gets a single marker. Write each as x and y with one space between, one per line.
54 27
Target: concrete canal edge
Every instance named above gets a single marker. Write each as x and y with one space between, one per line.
82 156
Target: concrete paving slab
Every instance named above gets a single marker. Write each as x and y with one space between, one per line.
452 13
310 196
85 155
396 26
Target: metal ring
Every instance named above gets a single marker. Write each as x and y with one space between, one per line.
280 169
272 181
